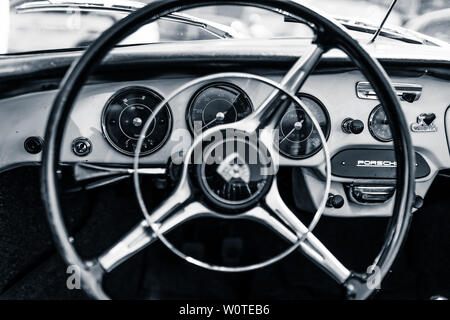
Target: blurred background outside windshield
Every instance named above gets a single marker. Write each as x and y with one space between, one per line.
47 31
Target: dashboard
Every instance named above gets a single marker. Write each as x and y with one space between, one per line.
107 118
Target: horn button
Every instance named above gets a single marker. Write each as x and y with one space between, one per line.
235 173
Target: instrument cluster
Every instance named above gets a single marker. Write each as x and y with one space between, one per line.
127 111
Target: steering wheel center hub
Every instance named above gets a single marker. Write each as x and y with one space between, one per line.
235 173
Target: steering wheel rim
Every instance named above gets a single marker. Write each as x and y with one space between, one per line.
330 32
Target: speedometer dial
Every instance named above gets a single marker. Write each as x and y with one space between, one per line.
298 138
125 115
379 125
215 104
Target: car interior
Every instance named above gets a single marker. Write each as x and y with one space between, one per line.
222 150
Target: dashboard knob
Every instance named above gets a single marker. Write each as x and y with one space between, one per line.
81 146
352 126
33 145
335 201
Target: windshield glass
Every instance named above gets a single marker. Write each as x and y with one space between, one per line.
69 28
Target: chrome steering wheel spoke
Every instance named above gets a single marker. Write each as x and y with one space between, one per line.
142 235
309 244
275 106
180 198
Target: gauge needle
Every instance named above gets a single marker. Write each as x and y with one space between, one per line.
219 117
297 126
209 123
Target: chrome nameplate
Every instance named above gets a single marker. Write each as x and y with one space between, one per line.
376 164
405 91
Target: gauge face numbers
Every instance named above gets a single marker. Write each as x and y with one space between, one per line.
217 104
298 138
125 115
379 125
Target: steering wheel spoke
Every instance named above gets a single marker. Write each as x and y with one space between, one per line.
309 245
275 106
181 197
142 235
133 242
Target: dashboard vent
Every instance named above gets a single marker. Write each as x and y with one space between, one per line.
405 91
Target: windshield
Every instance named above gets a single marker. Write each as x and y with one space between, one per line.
66 29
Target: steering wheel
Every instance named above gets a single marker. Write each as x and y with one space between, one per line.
192 196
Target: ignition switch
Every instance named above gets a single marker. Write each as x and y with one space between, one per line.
81 146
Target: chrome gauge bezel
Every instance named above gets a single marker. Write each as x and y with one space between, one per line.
207 86
149 92
326 132
371 123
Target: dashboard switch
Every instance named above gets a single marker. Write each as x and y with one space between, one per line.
81 146
335 201
33 145
350 126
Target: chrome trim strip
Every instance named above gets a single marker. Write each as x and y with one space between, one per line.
365 91
370 195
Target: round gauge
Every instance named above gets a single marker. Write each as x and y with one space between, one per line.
379 125
298 138
126 113
215 104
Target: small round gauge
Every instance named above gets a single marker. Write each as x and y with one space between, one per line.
379 125
298 138
126 113
215 104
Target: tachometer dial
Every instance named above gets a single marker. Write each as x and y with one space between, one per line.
298 138
125 115
215 104
379 125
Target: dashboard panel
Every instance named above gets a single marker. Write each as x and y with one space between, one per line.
331 97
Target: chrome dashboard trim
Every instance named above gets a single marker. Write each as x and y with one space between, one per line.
365 91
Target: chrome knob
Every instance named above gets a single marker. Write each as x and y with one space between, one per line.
352 126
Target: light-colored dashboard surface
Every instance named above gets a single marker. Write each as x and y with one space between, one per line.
25 116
